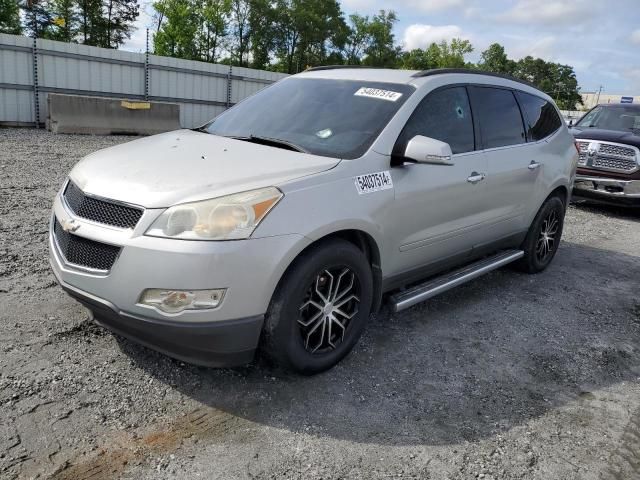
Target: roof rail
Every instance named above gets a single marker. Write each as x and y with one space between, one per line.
469 71
334 67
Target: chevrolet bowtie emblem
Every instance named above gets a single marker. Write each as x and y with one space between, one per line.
70 225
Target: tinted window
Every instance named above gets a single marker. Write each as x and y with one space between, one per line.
444 115
498 115
335 118
542 118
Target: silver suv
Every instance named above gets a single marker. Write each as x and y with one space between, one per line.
284 221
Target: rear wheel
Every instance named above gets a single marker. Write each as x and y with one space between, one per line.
543 238
320 309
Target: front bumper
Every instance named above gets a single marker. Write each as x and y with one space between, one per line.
212 344
609 190
227 335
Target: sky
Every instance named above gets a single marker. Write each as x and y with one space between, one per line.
599 38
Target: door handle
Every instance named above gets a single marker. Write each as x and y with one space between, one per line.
534 165
476 177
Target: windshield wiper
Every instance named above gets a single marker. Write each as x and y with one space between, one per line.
272 142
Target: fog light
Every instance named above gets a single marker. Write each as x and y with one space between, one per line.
175 301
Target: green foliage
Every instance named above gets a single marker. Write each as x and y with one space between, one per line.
380 50
37 17
494 59
10 17
102 23
177 33
118 19
192 29
556 80
306 33
438 55
64 21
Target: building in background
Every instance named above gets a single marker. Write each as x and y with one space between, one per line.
591 99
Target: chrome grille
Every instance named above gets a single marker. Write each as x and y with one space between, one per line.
608 156
612 163
100 211
84 252
618 150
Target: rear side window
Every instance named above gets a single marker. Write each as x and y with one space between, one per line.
444 115
541 117
498 115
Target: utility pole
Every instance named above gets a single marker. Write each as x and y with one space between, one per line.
599 92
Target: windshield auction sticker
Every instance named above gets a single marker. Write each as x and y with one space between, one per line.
373 182
378 93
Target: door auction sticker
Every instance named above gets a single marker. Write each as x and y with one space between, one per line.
378 93
373 182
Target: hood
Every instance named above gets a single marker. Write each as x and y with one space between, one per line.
184 166
618 136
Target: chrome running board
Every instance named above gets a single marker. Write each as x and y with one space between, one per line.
410 297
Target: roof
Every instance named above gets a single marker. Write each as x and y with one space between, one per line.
362 73
354 72
468 71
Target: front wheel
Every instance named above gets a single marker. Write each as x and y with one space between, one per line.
543 238
320 308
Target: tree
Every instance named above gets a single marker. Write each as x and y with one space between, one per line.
214 16
438 55
262 23
90 25
556 80
10 17
494 59
119 18
307 33
358 39
419 59
381 51
176 36
65 20
191 29
37 17
452 54
101 23
240 31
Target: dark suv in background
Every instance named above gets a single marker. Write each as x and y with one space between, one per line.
608 139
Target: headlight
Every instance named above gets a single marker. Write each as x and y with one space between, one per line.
226 218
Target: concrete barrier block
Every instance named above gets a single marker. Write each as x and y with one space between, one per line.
109 116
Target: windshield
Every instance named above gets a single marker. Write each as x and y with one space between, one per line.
333 118
619 118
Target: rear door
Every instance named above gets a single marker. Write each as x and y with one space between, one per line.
513 165
439 210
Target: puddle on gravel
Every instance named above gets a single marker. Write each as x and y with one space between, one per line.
110 462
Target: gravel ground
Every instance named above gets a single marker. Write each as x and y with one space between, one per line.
511 376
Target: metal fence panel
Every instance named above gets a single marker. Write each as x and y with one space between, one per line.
16 106
16 80
203 90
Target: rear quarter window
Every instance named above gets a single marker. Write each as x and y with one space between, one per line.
541 116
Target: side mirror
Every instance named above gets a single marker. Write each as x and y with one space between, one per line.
428 150
571 123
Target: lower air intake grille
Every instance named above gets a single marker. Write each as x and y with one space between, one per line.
84 252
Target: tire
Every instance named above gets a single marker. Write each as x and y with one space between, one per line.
302 331
538 252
